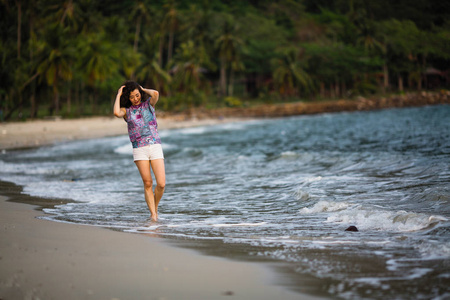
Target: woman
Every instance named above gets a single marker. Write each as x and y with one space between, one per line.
143 131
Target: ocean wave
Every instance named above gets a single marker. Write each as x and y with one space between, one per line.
239 224
124 149
371 217
325 206
49 168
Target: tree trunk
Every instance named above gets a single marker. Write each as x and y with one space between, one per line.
400 83
332 95
410 81
33 101
322 89
19 27
336 88
34 106
161 49
231 84
69 98
55 109
386 78
136 42
20 105
423 77
223 77
170 46
136 34
80 98
343 89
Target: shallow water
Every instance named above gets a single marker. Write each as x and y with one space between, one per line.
280 189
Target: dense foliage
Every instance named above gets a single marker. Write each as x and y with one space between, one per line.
70 56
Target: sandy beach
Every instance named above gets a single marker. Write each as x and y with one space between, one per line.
41 259
16 135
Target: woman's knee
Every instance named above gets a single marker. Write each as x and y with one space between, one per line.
148 184
161 184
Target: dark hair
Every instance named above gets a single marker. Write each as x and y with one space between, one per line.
129 87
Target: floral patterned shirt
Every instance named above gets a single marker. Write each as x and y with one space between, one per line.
142 125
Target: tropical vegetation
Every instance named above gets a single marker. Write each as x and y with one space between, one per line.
69 57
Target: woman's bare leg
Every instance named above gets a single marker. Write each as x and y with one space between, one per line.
144 169
160 176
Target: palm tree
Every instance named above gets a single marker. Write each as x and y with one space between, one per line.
149 70
188 73
401 39
289 72
229 47
140 11
100 60
56 56
200 19
170 24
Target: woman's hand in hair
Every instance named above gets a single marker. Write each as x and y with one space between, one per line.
120 91
119 112
153 93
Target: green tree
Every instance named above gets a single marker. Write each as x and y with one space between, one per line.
149 71
56 57
289 73
260 44
140 11
229 47
188 75
170 25
402 39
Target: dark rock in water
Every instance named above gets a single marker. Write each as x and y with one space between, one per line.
352 228
228 293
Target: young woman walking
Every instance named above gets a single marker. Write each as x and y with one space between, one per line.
137 106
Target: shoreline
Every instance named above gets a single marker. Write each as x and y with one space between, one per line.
37 133
52 260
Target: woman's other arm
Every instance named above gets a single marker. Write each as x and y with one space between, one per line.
154 94
119 112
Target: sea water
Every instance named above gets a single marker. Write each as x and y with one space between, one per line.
282 190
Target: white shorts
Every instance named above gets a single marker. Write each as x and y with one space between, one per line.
149 152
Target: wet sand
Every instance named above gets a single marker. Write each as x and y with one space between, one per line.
41 259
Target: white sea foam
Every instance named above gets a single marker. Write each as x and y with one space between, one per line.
410 275
325 206
124 149
229 126
373 217
194 130
29 169
301 195
239 224
289 154
312 179
434 250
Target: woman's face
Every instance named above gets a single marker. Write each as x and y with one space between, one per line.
135 97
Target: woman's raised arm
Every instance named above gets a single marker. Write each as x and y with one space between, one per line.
119 112
153 93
